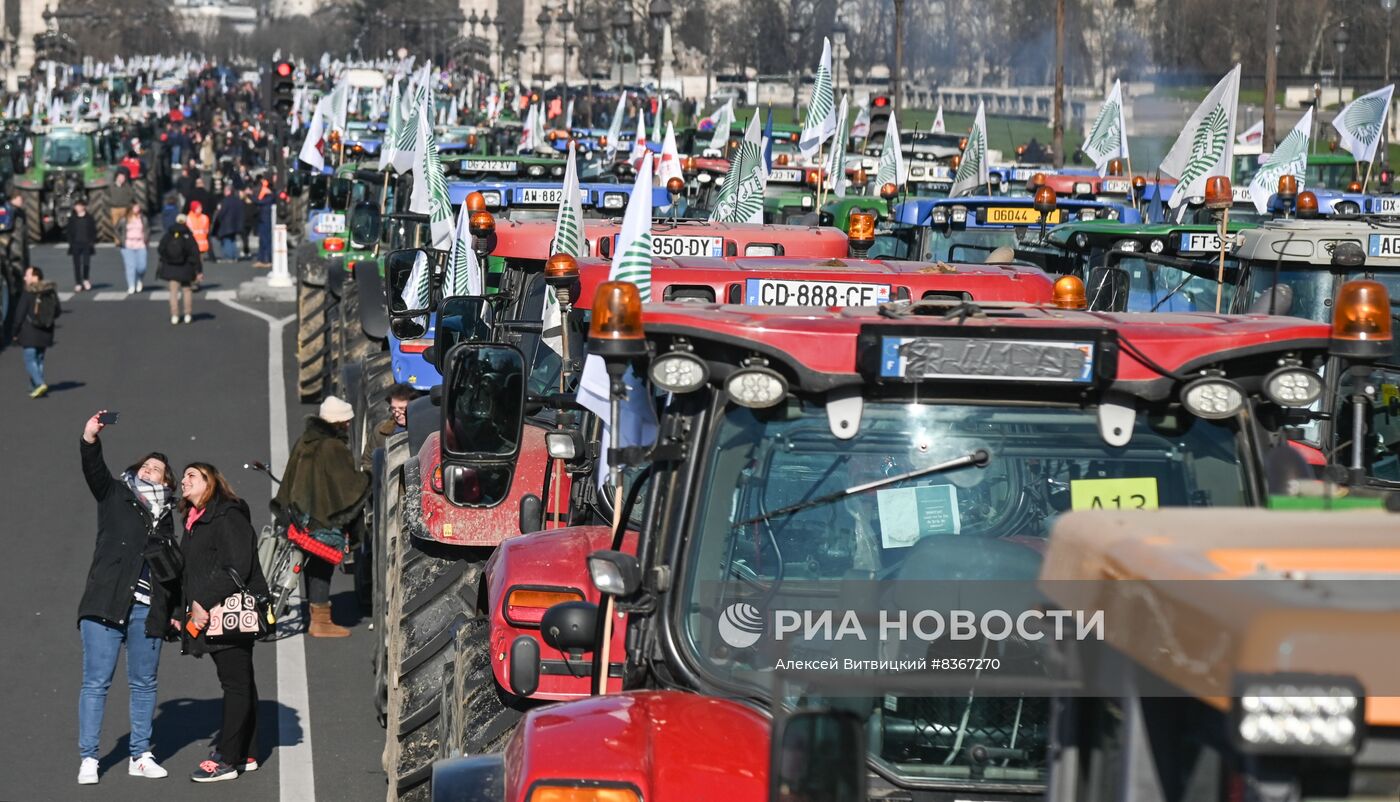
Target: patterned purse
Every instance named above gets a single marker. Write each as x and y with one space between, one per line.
243 616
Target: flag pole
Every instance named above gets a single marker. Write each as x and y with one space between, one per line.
614 436
1132 196
1220 276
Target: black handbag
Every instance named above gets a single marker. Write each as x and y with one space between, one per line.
163 555
241 617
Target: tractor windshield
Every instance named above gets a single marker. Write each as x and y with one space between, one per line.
1308 290
67 151
963 524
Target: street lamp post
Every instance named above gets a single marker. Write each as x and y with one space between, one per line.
566 23
838 39
622 24
543 20
795 36
1339 41
660 13
1389 6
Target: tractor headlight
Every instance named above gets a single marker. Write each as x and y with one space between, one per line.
492 199
756 387
1299 714
704 178
1129 245
940 216
1293 387
959 215
561 444
679 372
1083 188
614 200
535 170
556 171
1157 245
1081 241
1213 398
1087 214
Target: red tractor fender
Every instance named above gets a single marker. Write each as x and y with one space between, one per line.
444 522
664 744
553 559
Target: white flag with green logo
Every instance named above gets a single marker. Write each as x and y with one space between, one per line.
418 290
836 160
973 170
939 127
391 128
463 276
420 97
890 170
656 130
741 195
615 125
429 196
1289 158
632 256
568 238
820 122
1206 146
724 120
1362 121
1108 136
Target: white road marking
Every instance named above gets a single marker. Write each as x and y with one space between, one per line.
295 779
153 295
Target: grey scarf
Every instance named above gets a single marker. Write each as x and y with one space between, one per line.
154 497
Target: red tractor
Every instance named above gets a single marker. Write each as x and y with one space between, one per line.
811 448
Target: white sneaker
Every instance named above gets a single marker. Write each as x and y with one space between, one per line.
145 766
140 285
87 772
130 290
188 319
174 320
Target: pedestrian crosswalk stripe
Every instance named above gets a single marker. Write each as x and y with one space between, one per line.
154 295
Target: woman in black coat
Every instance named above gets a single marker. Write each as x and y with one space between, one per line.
219 536
82 244
180 266
123 604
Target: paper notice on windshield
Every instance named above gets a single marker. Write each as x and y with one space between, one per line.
910 513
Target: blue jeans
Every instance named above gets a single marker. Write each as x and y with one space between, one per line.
134 261
229 248
101 645
265 242
34 363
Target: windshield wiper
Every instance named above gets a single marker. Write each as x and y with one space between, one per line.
977 459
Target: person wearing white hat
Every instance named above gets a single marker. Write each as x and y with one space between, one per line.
322 493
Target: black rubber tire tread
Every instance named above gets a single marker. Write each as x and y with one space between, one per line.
371 404
435 585
389 529
142 188
97 207
488 713
33 216
312 348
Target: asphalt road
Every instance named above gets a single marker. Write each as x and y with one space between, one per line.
197 392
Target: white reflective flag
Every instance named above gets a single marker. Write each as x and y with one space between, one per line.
1206 146
938 126
656 131
312 147
1289 158
391 128
670 164
418 290
569 116
836 160
860 129
1253 135
429 196
741 195
539 136
1108 136
615 126
1362 121
724 120
820 122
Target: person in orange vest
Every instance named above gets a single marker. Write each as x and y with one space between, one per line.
198 223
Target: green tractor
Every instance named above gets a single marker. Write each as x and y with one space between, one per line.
70 163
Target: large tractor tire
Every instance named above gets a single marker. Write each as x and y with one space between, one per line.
477 716
33 215
435 586
356 345
145 192
313 342
97 207
388 531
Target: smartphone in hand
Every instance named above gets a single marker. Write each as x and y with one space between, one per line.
107 418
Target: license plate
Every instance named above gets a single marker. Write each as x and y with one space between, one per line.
1200 243
663 247
1385 205
488 166
787 176
331 223
540 196
1115 186
1241 195
1018 216
1384 245
776 292
1023 173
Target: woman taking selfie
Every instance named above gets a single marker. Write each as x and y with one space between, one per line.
218 537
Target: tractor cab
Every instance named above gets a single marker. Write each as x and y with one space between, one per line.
847 458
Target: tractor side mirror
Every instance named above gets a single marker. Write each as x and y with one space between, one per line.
461 318
484 403
365 225
410 276
818 756
1107 289
570 626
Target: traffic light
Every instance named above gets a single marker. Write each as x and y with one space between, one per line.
880 108
281 88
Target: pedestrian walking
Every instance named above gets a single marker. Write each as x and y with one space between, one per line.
322 492
133 242
228 223
169 211
82 244
125 602
120 196
250 220
198 223
218 537
180 267
38 311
